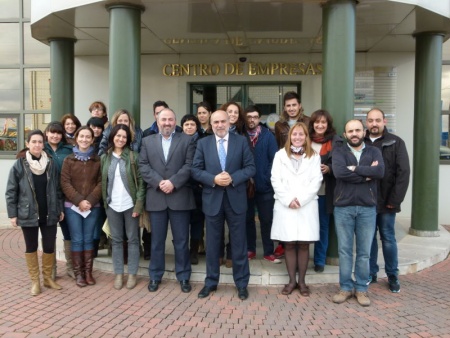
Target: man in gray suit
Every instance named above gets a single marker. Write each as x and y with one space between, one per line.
164 161
223 163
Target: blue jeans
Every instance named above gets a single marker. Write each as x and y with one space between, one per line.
321 246
82 229
264 204
358 222
386 226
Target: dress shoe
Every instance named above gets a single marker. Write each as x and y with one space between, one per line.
153 285
242 293
206 291
185 286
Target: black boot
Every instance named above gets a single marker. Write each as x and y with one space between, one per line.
96 245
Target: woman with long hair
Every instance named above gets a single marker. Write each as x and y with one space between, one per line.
236 115
123 193
35 202
296 178
122 116
323 137
81 184
71 124
58 149
203 115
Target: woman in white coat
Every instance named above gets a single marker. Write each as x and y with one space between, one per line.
296 179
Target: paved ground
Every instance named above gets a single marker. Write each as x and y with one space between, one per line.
422 309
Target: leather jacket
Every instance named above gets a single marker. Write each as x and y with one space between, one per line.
21 198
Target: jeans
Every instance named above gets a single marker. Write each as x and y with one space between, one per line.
386 226
358 222
82 229
321 246
264 204
117 221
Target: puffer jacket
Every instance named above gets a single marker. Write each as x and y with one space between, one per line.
81 180
353 187
21 198
137 193
394 185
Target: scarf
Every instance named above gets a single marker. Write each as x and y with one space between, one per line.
81 156
297 150
253 135
326 143
37 166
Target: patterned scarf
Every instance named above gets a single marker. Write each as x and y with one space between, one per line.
81 156
253 135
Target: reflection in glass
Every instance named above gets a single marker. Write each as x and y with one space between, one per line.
37 89
35 51
9 9
8 133
9 43
9 89
35 121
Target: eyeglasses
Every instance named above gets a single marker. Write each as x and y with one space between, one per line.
98 109
252 117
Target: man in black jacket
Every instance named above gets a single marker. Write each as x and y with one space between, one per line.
391 192
357 168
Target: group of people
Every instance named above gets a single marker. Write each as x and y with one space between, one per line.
216 167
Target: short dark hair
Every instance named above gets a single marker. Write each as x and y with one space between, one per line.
375 108
190 117
96 122
114 132
251 109
56 127
35 132
205 105
159 104
289 96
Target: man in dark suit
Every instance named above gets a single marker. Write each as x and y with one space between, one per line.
164 161
223 163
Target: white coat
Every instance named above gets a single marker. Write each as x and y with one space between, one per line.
295 224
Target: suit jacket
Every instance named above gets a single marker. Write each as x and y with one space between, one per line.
240 165
154 169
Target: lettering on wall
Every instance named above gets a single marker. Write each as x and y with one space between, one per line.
239 69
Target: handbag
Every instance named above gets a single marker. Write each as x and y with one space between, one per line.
144 216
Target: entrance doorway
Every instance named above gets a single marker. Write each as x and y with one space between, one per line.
267 96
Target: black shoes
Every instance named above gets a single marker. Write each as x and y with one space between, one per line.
185 286
372 279
206 291
318 268
394 284
153 285
242 293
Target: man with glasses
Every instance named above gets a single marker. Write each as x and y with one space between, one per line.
263 145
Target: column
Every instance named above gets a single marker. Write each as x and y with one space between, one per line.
338 76
125 59
62 77
427 115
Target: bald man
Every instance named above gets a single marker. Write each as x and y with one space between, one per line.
223 163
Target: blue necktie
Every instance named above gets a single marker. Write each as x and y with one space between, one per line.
222 154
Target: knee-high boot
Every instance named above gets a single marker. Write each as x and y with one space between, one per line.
48 260
68 254
88 263
78 268
33 270
53 274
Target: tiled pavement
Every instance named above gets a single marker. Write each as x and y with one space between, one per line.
421 309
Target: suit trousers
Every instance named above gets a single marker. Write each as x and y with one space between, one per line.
179 223
238 235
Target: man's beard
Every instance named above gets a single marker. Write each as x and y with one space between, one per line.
355 144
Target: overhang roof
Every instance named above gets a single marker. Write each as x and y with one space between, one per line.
238 26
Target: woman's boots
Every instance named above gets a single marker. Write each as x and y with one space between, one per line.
67 253
88 263
48 261
78 268
33 270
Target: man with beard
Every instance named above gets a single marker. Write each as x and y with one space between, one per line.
392 191
165 165
357 167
